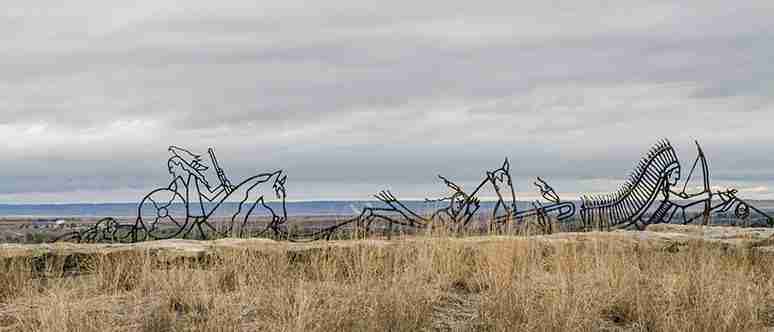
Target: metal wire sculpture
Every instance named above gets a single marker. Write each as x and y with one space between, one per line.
544 214
652 184
190 201
459 211
190 188
682 202
185 208
655 174
105 230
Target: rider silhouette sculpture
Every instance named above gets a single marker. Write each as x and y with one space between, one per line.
198 188
190 171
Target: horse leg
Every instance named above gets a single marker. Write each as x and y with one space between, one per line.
365 218
190 228
247 216
202 236
707 208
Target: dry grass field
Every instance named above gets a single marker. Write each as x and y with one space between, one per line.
620 281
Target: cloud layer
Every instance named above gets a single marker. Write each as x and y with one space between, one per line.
352 96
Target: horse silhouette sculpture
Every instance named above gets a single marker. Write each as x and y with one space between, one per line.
190 201
187 206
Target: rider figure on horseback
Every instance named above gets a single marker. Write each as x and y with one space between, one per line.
190 173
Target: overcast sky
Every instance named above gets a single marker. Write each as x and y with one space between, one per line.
351 97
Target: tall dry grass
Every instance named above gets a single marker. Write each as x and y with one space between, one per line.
508 284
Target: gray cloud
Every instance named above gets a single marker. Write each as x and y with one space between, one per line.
359 94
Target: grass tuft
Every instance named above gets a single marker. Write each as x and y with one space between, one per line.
507 284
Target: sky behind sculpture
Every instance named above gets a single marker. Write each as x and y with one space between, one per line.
351 97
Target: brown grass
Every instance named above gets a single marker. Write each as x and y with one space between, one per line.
515 284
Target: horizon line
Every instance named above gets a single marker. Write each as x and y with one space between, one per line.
333 200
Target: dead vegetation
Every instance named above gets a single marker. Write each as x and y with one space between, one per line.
591 283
